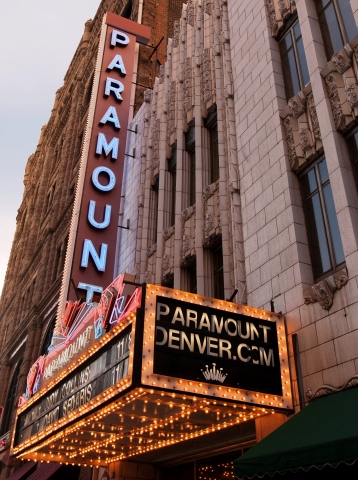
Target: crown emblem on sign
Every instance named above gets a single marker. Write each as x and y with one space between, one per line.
214 373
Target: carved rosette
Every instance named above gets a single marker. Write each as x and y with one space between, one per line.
188 103
206 75
341 61
297 105
171 107
176 33
292 156
190 14
323 291
311 107
333 96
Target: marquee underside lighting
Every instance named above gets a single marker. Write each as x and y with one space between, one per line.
139 422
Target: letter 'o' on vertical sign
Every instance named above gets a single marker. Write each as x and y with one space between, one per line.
106 219
111 179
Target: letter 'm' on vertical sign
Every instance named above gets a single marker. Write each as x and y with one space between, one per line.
92 244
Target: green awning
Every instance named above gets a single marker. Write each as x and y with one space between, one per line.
323 433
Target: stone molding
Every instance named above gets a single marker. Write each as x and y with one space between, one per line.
323 291
302 129
279 11
327 389
340 76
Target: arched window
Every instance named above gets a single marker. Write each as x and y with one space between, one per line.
10 400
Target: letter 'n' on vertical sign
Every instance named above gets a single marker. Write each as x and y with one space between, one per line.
92 243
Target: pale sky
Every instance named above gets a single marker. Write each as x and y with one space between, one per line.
38 39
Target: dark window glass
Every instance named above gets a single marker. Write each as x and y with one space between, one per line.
212 127
190 148
48 337
322 226
294 63
218 273
193 286
352 142
10 400
153 211
337 24
172 168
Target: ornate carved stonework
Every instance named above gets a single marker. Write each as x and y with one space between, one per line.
323 291
147 96
207 6
352 95
171 107
165 262
188 103
208 225
305 137
206 75
176 33
148 277
155 143
341 61
168 232
297 105
190 14
161 73
292 156
151 250
272 17
313 115
333 95
283 8
185 246
328 389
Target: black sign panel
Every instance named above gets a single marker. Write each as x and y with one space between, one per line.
78 388
204 344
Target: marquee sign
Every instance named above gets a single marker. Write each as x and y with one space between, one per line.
169 366
90 259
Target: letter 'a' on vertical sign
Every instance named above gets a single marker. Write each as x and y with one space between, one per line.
90 258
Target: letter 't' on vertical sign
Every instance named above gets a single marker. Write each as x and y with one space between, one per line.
91 251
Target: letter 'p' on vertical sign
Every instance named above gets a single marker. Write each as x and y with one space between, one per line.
90 258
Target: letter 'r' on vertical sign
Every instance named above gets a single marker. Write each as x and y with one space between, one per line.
99 260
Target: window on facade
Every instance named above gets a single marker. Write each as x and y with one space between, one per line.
294 63
190 149
337 24
212 127
153 211
352 142
322 226
10 400
218 271
172 169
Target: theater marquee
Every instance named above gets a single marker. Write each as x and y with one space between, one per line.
177 367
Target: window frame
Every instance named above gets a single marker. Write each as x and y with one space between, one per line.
326 217
341 25
289 30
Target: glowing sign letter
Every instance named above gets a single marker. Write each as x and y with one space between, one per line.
117 64
111 117
119 39
99 260
91 289
112 146
95 179
90 216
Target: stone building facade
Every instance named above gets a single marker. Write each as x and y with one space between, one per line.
241 183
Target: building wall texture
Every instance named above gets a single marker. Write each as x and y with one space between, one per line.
222 87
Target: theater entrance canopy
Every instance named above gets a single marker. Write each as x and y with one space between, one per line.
148 367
